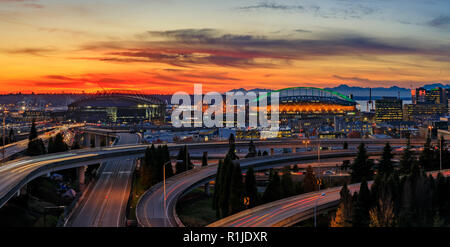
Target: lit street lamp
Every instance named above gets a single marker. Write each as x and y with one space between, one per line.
306 142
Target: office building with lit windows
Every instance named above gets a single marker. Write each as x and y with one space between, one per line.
388 109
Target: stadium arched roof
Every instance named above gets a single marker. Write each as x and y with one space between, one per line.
117 98
313 95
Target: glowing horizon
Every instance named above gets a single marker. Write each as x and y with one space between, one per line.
166 46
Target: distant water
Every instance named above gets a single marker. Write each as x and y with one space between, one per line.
362 104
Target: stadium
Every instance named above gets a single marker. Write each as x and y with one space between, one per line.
305 108
118 107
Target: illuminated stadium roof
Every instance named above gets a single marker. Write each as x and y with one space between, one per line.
117 99
312 95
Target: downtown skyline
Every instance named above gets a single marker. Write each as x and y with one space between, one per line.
166 46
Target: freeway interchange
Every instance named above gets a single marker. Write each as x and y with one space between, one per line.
150 211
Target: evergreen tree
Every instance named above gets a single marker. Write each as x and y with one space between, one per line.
343 217
236 202
361 206
345 146
146 169
251 150
232 148
345 165
184 161
386 166
33 132
35 145
57 145
50 146
310 181
11 137
217 187
265 153
225 187
286 183
407 159
274 191
250 188
361 166
205 159
426 159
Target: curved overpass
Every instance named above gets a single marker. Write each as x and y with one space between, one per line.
17 173
289 211
150 210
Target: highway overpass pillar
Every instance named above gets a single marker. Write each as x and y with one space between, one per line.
86 139
108 141
97 140
207 189
272 151
81 177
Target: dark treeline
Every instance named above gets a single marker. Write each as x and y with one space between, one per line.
35 145
156 158
56 144
151 169
403 196
233 192
9 137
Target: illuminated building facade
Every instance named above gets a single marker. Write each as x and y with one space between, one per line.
305 109
388 109
432 96
427 105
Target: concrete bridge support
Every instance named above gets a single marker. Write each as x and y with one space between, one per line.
207 192
81 177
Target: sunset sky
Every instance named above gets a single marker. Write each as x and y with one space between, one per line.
163 46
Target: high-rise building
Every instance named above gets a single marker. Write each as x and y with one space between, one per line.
388 109
427 104
432 96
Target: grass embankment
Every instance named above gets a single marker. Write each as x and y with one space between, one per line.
137 190
30 209
195 208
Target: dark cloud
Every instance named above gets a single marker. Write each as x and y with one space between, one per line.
440 21
369 82
344 10
58 77
35 51
273 6
191 47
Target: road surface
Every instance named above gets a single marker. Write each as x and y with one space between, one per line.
20 146
150 210
17 173
105 204
289 211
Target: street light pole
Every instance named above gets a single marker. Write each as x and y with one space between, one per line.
4 128
318 151
164 188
